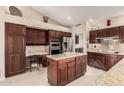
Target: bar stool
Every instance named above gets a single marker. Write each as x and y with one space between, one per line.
32 60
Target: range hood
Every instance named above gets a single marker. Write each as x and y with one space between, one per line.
114 37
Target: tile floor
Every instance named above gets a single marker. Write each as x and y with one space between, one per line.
39 78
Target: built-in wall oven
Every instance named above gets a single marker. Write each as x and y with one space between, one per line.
55 47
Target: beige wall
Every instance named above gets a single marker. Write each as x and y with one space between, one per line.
80 30
2 47
101 23
30 13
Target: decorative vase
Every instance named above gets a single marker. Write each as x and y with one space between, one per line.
45 19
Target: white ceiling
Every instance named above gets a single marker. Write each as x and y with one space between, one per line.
78 14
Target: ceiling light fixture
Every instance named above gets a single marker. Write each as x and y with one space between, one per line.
69 18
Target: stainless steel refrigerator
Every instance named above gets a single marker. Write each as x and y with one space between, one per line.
67 44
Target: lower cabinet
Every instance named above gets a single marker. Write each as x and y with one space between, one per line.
63 71
102 61
71 71
62 75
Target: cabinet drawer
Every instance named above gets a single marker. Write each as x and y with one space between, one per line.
65 61
81 58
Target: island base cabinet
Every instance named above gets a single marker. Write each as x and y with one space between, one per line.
52 72
78 69
61 72
62 75
71 71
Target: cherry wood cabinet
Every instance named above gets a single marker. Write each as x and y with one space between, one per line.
93 36
121 34
55 34
108 32
66 34
62 75
103 61
15 43
35 36
61 72
71 71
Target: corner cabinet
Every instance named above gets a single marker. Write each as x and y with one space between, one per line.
63 71
15 43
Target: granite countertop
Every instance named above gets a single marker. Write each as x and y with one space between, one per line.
106 52
42 53
65 55
115 76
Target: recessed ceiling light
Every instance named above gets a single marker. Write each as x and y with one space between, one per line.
69 18
91 20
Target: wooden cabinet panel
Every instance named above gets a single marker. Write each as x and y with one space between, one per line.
111 60
66 34
121 34
93 36
108 32
35 36
71 71
52 72
78 68
102 61
65 61
62 75
67 70
15 49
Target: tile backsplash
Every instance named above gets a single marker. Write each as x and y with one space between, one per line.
32 50
107 47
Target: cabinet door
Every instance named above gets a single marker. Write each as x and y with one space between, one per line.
15 49
91 59
113 31
100 61
29 36
78 68
52 72
42 37
66 34
93 36
121 34
58 35
111 61
62 75
52 34
71 71
84 67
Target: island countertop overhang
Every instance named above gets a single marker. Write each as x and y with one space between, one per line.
65 55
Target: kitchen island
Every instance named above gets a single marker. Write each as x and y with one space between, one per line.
64 68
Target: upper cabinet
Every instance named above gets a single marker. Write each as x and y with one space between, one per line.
42 37
66 34
108 32
54 34
93 36
35 36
